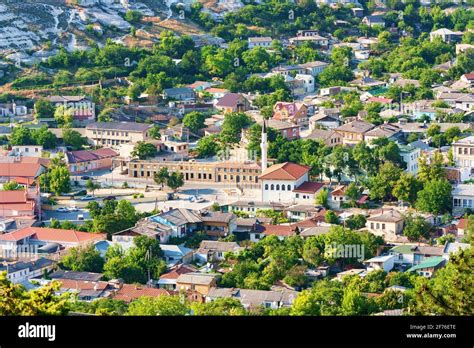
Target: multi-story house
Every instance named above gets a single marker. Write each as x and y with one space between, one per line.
354 132
463 153
116 133
264 42
293 112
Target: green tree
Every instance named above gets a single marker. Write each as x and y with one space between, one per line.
21 136
133 16
59 180
144 150
218 307
207 146
406 188
161 305
322 197
194 121
83 259
74 139
331 218
43 109
64 116
381 186
44 137
175 180
232 127
15 300
416 228
435 197
352 193
161 176
92 186
12 186
450 291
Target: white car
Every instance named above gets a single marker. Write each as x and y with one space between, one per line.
87 198
62 210
199 200
72 209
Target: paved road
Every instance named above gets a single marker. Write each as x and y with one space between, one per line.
49 214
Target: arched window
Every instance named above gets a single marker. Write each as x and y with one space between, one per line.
266 186
289 187
278 187
283 187
272 187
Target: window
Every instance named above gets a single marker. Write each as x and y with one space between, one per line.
383 226
289 187
266 186
283 187
272 187
278 187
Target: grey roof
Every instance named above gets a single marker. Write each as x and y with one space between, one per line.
356 126
197 278
216 216
277 124
320 134
178 90
315 231
87 276
384 130
254 298
123 126
388 216
66 98
211 245
30 265
260 39
181 216
245 221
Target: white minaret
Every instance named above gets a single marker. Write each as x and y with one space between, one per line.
264 146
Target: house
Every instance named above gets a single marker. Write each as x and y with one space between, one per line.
20 171
217 224
410 155
251 207
303 211
180 220
21 271
199 86
315 231
329 137
281 231
327 118
179 93
314 68
307 82
279 181
233 102
337 197
254 299
463 198
27 150
314 38
89 160
168 280
12 109
389 131
83 108
73 275
468 78
143 227
446 35
384 263
86 290
354 132
217 93
288 130
328 91
306 192
200 282
388 224
374 20
210 250
264 42
453 248
410 255
174 254
37 238
428 266
20 203
296 113
130 292
461 226
116 133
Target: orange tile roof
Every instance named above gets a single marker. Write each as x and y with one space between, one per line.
279 230
309 187
82 284
52 235
130 292
24 170
174 274
18 196
462 224
285 171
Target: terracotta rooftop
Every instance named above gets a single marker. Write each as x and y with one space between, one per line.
130 292
279 230
309 187
89 155
52 235
285 171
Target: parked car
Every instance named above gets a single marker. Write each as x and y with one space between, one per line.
199 199
110 198
87 198
85 177
80 216
71 209
62 210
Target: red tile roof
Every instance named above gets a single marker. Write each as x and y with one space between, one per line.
285 171
230 100
469 76
130 292
52 235
279 230
380 100
82 284
89 155
175 273
18 196
24 170
309 187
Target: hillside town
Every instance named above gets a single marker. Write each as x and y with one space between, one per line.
321 165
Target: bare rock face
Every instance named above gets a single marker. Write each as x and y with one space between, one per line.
27 25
